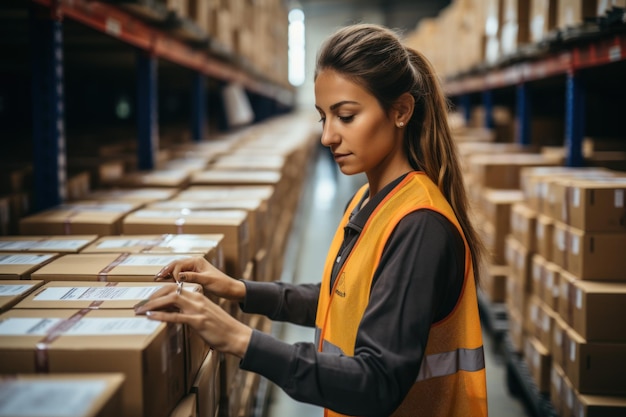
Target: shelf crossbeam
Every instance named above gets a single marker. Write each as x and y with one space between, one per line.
600 51
122 25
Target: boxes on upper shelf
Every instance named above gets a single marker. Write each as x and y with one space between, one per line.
139 195
62 394
595 255
149 353
79 218
19 265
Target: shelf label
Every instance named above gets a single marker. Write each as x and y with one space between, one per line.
113 27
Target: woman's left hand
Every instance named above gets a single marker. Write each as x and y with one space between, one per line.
219 329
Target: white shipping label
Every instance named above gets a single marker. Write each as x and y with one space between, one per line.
575 245
110 326
579 299
560 239
49 398
17 245
60 244
95 293
125 243
190 242
546 323
539 230
150 260
13 289
108 207
570 399
27 326
24 259
572 351
576 197
619 198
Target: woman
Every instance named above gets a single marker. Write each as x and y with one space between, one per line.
396 315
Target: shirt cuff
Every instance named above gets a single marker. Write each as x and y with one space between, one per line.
261 298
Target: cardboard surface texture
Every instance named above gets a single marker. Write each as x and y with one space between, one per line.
20 265
150 354
14 291
76 395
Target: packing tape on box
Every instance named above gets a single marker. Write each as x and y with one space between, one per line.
103 274
179 225
41 350
67 222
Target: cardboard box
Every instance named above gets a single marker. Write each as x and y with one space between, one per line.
256 208
79 218
538 275
597 206
233 224
114 295
556 388
149 353
545 325
79 395
493 282
207 245
596 255
43 244
558 347
545 237
106 267
520 260
140 195
573 13
594 367
566 293
516 330
14 291
560 240
503 171
539 361
551 282
542 19
187 407
207 385
232 177
177 179
19 265
523 221
596 309
599 406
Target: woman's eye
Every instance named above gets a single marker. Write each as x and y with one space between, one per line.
322 120
346 119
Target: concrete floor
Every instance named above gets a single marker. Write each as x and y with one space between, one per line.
321 207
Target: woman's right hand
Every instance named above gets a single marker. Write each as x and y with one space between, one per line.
199 270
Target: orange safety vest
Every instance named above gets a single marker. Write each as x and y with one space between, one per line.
451 380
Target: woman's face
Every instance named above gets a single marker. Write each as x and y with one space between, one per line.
356 129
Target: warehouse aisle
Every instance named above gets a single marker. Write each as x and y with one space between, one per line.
319 212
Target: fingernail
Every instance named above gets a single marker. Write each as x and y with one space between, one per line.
148 313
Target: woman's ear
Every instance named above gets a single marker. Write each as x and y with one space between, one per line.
403 109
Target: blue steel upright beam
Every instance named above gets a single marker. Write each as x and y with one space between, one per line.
488 105
49 154
198 107
466 104
523 134
147 111
574 119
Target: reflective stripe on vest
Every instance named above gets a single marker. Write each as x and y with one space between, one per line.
326 345
448 363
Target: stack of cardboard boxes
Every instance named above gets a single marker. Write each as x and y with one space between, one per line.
470 33
69 283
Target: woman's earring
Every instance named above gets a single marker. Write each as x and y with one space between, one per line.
401 124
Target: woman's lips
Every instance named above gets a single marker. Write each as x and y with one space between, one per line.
340 156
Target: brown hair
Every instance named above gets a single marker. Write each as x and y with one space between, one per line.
375 58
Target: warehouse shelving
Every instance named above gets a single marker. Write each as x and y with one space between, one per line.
568 60
147 36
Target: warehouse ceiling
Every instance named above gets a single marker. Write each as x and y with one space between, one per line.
399 14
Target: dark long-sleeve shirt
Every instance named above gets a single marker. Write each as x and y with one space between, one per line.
417 283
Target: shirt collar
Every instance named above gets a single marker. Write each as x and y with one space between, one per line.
359 214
